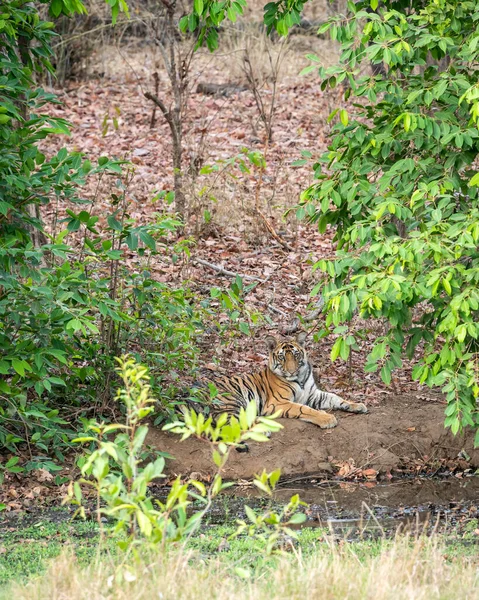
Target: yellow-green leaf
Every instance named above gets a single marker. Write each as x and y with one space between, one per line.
336 349
474 181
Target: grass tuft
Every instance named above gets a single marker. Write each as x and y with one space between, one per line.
403 569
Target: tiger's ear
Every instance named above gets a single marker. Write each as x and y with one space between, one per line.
271 342
301 337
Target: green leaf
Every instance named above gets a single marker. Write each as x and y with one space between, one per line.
250 514
343 115
115 9
19 367
12 462
114 223
274 477
297 519
183 24
244 328
386 374
144 523
336 349
56 381
147 239
74 325
455 426
474 181
56 7
461 333
5 207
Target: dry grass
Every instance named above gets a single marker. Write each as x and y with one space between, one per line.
402 570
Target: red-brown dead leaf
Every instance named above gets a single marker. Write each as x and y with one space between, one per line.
370 473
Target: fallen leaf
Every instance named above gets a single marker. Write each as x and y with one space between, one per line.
44 475
370 473
140 152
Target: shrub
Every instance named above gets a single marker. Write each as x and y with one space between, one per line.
68 307
120 480
399 183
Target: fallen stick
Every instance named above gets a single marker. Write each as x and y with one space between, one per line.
224 271
276 310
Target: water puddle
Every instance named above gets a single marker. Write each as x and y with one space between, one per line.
349 510
370 508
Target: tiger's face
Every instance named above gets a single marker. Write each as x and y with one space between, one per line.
287 359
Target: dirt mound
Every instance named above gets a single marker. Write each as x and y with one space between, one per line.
398 432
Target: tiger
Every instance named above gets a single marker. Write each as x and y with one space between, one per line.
286 387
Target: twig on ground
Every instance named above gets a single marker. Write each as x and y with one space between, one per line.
223 271
329 482
276 310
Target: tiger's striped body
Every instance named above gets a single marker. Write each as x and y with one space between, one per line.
286 385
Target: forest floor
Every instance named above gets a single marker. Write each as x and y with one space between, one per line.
403 434
404 428
227 231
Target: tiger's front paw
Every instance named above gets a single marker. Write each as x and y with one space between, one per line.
359 408
327 421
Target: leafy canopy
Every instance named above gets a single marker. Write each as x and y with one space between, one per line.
399 182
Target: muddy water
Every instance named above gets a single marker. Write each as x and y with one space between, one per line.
348 510
416 505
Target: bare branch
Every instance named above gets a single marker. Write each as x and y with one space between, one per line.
166 112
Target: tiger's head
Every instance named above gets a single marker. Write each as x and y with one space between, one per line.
288 359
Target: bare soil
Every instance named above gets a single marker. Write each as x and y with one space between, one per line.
400 432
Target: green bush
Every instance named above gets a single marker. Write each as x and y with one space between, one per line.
119 478
399 184
66 314
71 301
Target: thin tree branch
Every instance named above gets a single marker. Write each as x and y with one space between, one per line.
223 271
